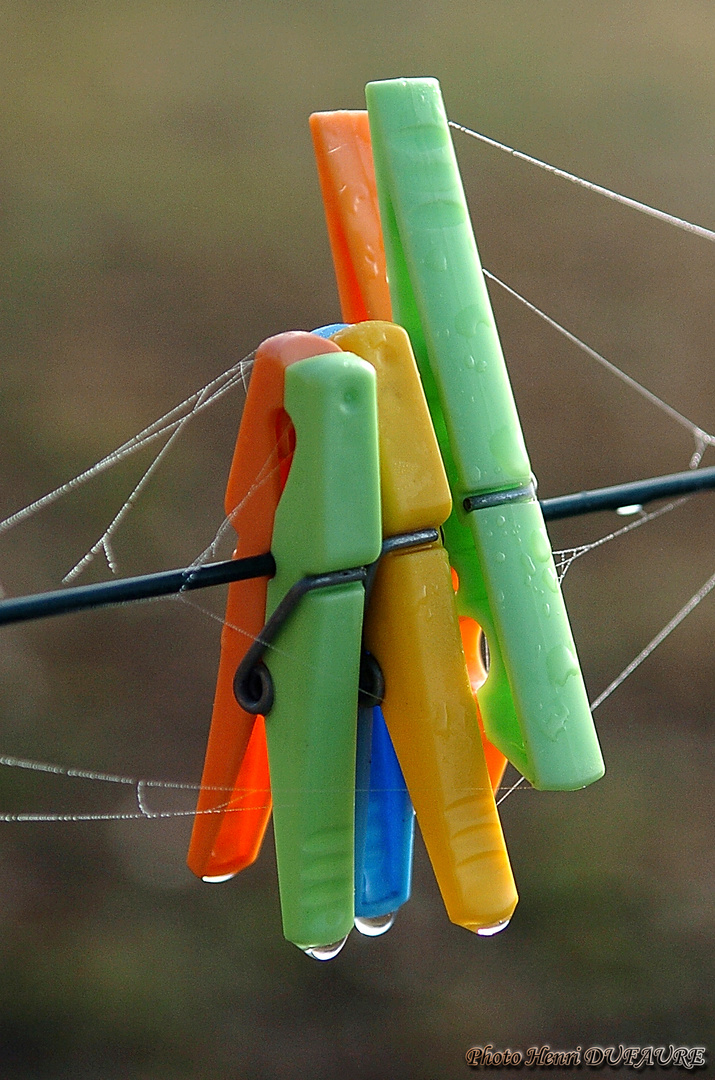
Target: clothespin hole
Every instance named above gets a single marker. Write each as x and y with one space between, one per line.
371 687
255 692
484 651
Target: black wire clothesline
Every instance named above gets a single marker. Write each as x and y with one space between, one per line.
171 582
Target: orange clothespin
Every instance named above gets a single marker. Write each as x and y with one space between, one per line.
234 803
343 153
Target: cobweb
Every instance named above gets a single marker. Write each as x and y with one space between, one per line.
165 433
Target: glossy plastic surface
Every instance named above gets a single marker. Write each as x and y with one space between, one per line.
534 702
384 817
328 518
384 822
412 630
347 177
234 802
473 647
341 141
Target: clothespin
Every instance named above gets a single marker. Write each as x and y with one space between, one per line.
346 171
343 155
534 702
326 529
327 520
384 816
412 630
234 803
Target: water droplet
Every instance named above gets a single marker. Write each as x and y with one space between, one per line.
437 261
509 453
499 597
550 580
220 878
468 320
546 609
500 556
326 952
528 564
555 722
561 664
540 546
495 928
501 520
441 213
376 925
481 365
469 361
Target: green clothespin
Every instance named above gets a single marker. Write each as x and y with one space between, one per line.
534 702
327 525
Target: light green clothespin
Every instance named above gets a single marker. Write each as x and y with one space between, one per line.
327 528
534 702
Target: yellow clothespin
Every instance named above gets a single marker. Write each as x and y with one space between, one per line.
412 630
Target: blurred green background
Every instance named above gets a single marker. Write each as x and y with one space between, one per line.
159 216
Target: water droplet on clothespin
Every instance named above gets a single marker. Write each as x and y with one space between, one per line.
221 877
376 925
326 952
495 928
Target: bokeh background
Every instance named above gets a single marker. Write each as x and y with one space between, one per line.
159 216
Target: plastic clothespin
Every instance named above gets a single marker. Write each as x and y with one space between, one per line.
346 171
534 702
327 528
412 630
384 816
343 155
234 803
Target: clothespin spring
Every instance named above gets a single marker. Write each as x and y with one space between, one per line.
252 684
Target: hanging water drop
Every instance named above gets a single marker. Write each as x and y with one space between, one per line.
376 925
495 928
326 952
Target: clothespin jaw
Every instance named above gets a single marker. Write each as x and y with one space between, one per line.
234 802
412 630
540 716
328 519
384 827
343 154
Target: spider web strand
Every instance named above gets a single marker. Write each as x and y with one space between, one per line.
623 200
656 641
702 438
